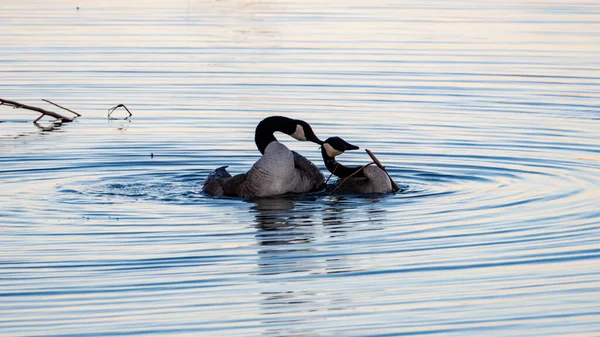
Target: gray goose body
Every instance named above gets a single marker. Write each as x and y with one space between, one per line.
353 180
279 170
374 180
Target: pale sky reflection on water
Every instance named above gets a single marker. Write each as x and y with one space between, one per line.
487 112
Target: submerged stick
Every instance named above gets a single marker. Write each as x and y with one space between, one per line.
18 105
378 163
46 127
111 110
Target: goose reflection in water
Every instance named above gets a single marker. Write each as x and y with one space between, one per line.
300 240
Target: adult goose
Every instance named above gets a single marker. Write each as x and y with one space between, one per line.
353 179
278 171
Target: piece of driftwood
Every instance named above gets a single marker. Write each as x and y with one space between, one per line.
111 110
62 107
378 163
44 112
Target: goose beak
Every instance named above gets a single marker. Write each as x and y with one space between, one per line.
349 147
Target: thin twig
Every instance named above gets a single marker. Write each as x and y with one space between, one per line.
350 176
111 110
62 107
18 105
378 163
330 175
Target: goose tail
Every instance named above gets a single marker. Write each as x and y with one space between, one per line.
212 184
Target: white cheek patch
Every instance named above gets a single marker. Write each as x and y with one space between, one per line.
299 133
331 151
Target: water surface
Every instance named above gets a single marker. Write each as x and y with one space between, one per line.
487 112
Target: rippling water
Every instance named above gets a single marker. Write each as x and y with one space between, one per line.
487 112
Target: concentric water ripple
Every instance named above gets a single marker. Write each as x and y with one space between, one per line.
487 113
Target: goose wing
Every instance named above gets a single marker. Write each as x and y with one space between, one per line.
379 181
374 181
309 172
235 186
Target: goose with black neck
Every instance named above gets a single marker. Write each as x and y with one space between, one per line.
279 170
354 179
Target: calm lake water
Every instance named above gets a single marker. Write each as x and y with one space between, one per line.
487 112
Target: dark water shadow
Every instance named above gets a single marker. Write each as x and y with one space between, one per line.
302 238
41 129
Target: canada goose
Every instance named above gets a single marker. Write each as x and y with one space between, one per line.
278 171
370 179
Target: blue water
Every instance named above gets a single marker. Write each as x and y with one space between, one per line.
487 112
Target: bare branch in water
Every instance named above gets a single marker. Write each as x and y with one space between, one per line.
111 110
62 107
17 105
350 176
378 163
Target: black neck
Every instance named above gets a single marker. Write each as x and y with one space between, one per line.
267 127
338 169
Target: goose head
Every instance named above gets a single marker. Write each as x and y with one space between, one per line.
334 146
296 128
300 130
